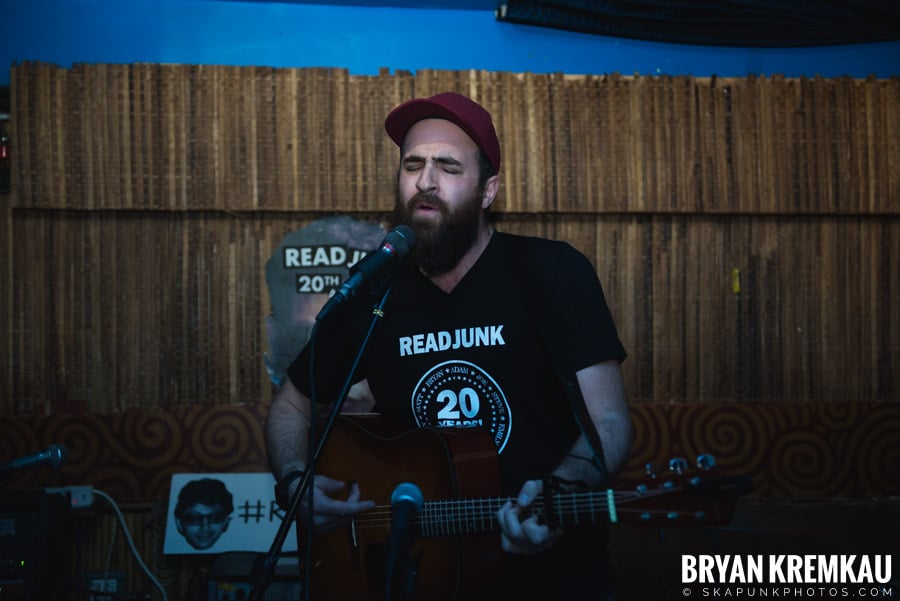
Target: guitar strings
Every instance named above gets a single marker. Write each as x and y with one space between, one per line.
451 514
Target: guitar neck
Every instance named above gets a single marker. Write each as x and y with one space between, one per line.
473 516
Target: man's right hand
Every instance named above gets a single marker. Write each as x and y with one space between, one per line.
329 511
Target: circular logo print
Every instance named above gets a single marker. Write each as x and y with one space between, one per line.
459 394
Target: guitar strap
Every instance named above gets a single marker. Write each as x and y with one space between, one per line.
535 280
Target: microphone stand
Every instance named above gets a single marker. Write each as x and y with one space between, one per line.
266 568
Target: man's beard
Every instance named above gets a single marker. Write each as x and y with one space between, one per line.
440 245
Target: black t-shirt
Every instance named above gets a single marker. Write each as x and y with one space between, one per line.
474 357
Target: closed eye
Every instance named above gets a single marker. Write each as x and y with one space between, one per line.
447 164
413 164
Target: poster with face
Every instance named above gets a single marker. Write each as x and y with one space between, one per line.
307 268
217 513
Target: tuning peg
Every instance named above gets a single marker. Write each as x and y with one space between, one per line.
649 471
678 465
706 461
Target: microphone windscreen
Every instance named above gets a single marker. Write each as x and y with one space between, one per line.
401 238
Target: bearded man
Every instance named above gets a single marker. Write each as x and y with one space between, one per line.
481 330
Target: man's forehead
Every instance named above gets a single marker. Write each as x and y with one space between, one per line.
435 134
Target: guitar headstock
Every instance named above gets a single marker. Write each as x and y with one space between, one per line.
682 495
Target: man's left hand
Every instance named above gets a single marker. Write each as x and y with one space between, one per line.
525 536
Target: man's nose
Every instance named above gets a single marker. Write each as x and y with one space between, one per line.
427 181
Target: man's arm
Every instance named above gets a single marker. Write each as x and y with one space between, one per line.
287 440
287 431
604 395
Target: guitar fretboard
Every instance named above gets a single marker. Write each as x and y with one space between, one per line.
473 516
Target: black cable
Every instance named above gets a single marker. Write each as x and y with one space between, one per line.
310 468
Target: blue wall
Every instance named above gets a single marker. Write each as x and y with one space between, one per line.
363 39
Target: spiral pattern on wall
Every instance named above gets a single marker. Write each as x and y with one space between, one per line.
132 455
807 450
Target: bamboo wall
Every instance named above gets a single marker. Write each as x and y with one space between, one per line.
147 198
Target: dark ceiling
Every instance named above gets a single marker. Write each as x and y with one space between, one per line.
759 23
753 23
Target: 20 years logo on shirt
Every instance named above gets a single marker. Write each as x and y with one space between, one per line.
459 394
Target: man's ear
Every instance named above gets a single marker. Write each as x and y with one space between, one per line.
491 187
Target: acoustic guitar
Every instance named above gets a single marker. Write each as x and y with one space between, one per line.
456 549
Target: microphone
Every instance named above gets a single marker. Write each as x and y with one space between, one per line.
374 267
407 500
55 456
